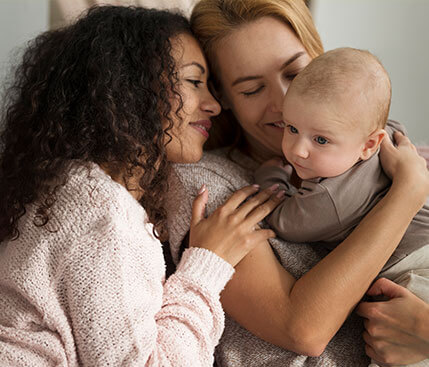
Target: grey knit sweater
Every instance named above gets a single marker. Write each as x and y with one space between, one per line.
238 347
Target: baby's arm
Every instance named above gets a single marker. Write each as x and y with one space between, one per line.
306 215
274 171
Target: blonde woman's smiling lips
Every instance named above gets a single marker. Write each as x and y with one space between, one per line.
276 125
202 126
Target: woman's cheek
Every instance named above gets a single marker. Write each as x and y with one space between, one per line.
248 111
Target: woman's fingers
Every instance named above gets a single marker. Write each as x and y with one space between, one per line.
256 200
199 206
262 210
402 161
238 197
386 287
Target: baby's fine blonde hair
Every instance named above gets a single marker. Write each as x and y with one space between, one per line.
343 71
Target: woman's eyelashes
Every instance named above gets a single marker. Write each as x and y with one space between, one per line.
287 76
253 92
290 76
195 82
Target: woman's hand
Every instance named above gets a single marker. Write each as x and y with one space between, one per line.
424 152
232 230
397 330
404 165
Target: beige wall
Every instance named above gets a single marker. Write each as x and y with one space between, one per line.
397 32
20 21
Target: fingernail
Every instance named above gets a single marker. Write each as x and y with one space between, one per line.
274 187
202 189
256 186
281 194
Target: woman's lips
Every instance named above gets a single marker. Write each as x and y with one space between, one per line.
277 124
203 126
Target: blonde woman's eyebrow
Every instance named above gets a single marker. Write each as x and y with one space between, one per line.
194 63
292 59
254 77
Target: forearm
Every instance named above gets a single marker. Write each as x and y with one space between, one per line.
339 280
303 315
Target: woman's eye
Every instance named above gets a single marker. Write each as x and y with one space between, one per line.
251 93
195 82
292 129
290 76
321 140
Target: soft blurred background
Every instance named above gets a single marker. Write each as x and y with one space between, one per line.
396 31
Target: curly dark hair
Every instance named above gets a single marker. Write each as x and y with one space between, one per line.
99 90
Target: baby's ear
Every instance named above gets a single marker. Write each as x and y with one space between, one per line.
372 143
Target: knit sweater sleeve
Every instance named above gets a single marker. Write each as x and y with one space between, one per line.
121 310
184 183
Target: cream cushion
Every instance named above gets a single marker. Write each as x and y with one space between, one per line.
63 12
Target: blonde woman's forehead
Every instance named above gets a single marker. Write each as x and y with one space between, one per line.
266 43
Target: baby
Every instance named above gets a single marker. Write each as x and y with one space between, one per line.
335 114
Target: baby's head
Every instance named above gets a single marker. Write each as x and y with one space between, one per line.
335 111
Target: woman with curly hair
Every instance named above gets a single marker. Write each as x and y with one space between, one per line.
97 112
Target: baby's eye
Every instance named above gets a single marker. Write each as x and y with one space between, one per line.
292 129
321 140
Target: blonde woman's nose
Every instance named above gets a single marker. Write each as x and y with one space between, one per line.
277 96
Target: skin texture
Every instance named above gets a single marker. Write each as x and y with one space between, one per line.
300 311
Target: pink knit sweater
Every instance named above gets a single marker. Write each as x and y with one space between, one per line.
89 289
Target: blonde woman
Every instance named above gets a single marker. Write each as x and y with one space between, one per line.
289 305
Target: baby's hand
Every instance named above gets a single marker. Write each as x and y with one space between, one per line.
278 162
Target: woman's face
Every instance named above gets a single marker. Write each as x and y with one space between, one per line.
191 131
256 65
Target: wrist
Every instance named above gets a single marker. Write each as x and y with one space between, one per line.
413 194
422 327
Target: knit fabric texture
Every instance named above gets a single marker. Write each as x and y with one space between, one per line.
89 289
238 347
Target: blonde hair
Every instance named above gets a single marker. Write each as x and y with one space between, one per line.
213 20
342 71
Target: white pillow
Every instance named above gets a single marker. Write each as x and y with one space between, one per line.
63 12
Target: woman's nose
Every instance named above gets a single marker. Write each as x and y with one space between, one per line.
210 105
277 97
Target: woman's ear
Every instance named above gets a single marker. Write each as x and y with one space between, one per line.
372 143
